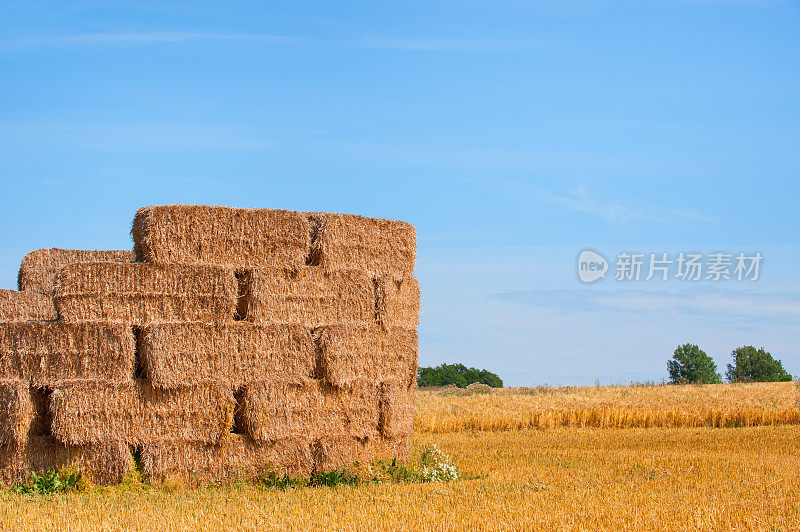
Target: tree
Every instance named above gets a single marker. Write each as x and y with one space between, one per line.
755 365
690 364
457 374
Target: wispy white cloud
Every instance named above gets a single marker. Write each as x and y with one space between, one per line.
741 306
461 45
152 37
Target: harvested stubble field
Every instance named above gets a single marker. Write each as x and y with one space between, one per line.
514 476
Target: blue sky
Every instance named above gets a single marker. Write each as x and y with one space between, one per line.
512 134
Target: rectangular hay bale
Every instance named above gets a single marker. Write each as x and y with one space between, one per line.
331 453
350 352
137 413
17 411
311 297
46 353
352 242
278 410
396 410
139 293
39 268
235 457
26 306
102 463
397 302
225 236
181 354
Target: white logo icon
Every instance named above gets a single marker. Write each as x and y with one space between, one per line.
591 266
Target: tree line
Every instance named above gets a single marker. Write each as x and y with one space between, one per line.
690 364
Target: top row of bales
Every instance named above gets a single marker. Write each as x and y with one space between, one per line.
269 238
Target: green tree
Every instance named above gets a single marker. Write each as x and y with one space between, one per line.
457 374
755 365
690 364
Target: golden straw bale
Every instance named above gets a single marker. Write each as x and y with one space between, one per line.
136 413
397 302
181 354
310 297
17 411
278 410
140 293
26 306
102 463
225 236
46 353
367 351
372 245
39 268
235 457
396 410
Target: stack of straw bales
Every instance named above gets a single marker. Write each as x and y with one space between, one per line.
230 342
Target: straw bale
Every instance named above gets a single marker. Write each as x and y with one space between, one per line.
46 353
367 351
396 410
39 268
137 413
179 354
312 409
310 297
235 457
372 245
225 236
397 302
140 293
344 452
17 411
102 463
26 306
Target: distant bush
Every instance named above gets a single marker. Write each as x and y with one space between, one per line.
690 364
457 375
755 365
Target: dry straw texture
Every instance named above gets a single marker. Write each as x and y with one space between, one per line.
139 293
350 242
179 354
313 409
26 306
349 353
201 234
397 410
310 297
104 463
16 411
39 268
46 353
235 457
136 413
397 302
343 452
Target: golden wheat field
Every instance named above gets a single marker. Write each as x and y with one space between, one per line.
517 472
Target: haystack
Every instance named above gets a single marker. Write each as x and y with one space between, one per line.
39 268
230 343
140 293
374 246
181 354
137 413
224 236
311 297
26 306
47 353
